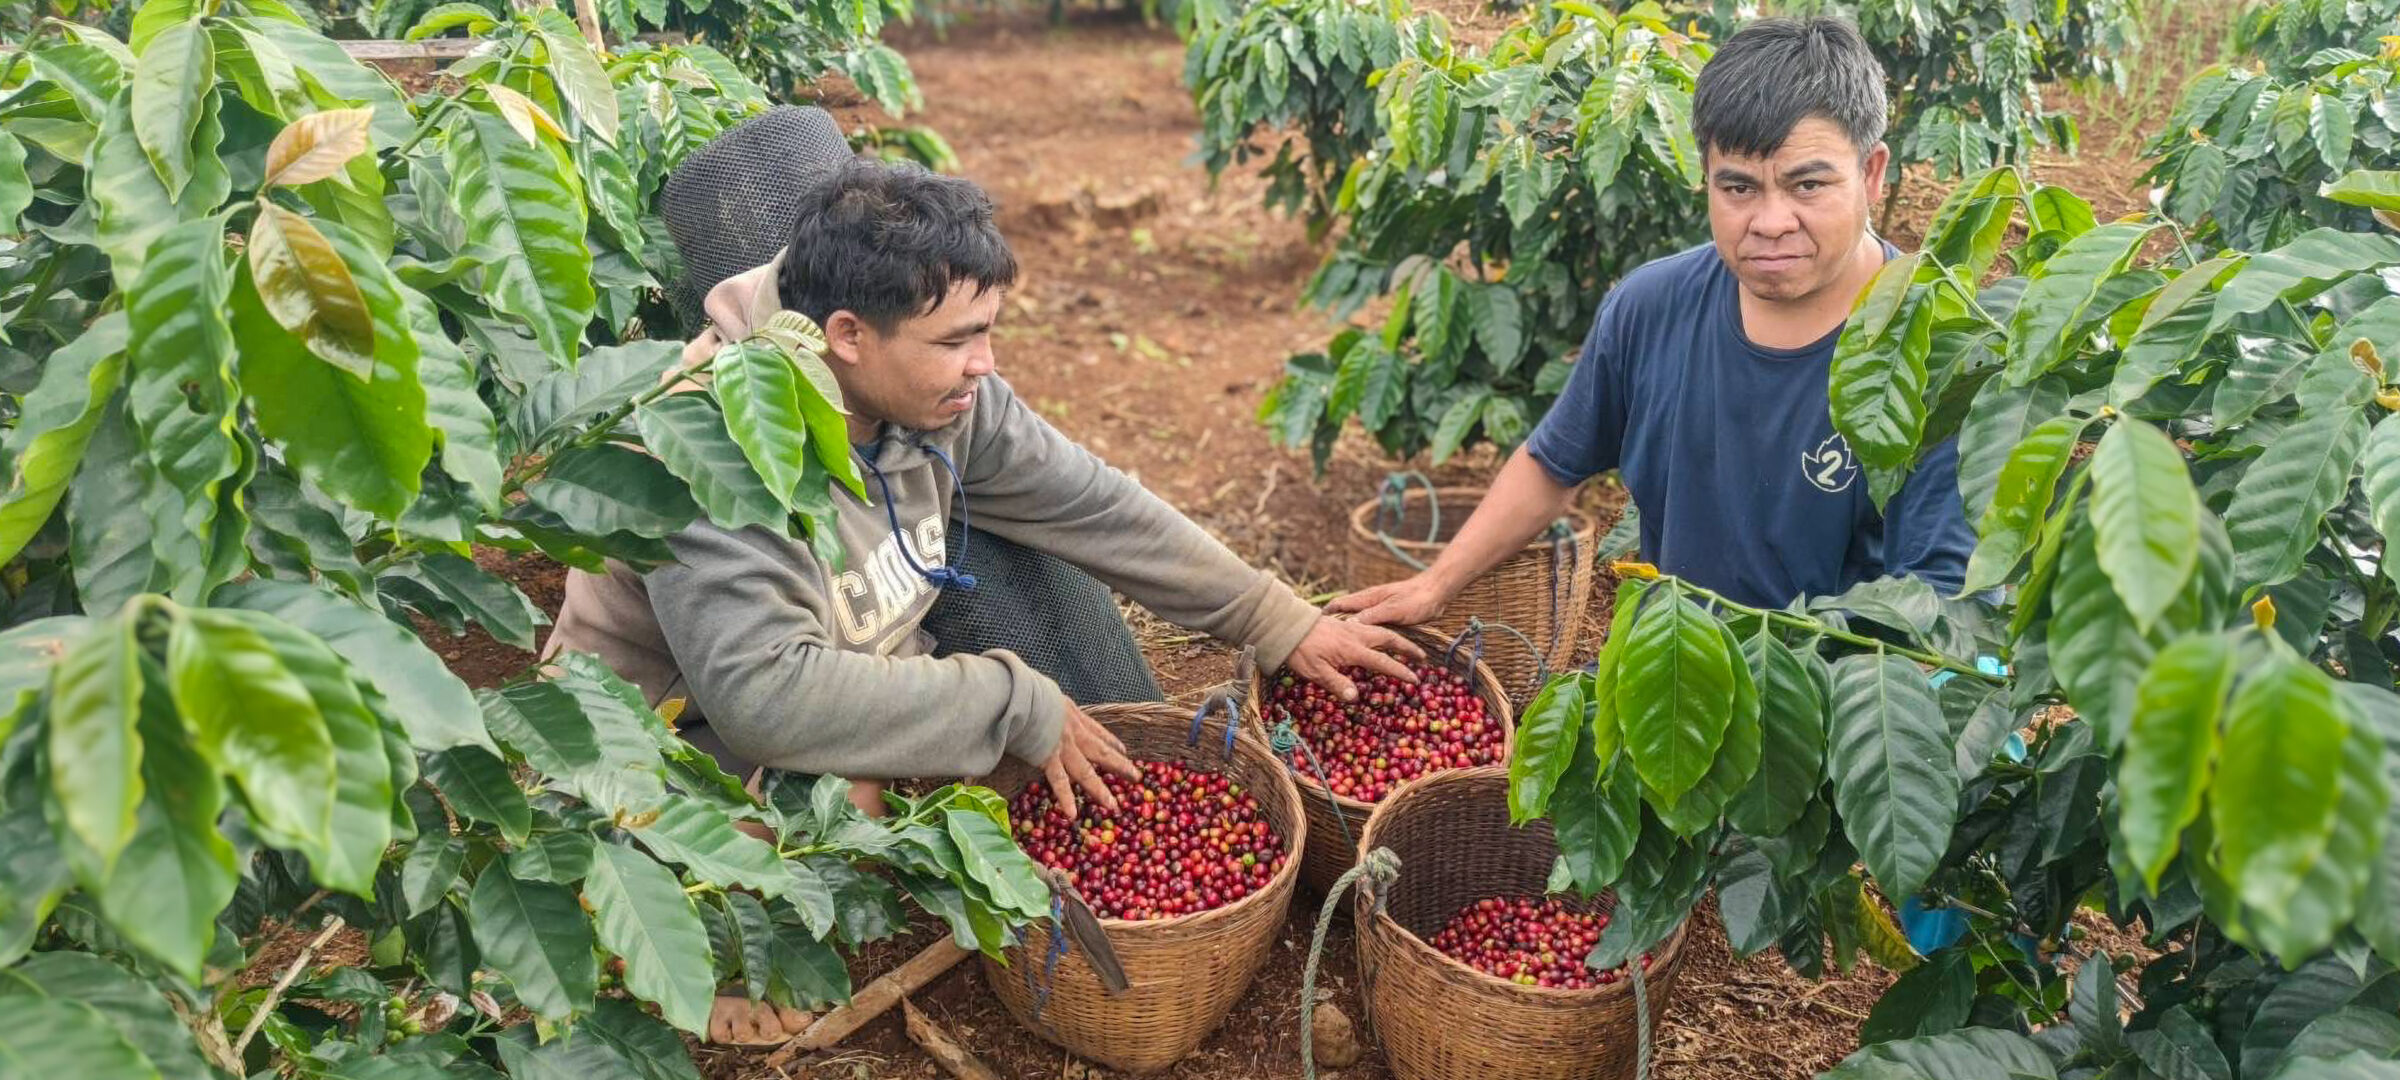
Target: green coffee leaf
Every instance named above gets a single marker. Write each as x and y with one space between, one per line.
688 433
54 426
2277 504
170 80
524 204
2277 786
1545 742
95 753
644 917
1894 778
603 489
2002 417
132 1006
2171 748
2145 518
45 1036
1675 694
536 936
477 785
2058 300
417 689
580 79
2300 269
2020 501
704 840
1792 718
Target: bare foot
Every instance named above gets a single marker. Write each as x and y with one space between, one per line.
867 796
739 1021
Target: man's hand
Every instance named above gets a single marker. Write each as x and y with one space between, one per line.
1410 602
1084 749
1336 644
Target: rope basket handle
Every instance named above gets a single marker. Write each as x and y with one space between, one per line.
1391 504
1565 551
1228 697
1381 869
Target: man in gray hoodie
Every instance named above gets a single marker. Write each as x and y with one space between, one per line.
796 665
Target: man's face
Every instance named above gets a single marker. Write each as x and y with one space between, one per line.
1788 223
921 374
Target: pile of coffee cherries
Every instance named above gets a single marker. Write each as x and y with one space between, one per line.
1529 941
1393 733
1181 841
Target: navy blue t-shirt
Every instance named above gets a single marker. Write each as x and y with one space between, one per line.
1729 451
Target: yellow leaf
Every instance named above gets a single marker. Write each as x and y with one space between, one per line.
2263 613
2389 218
2362 353
303 282
1639 570
671 710
1884 942
317 146
523 114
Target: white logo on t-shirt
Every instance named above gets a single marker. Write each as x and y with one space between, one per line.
1830 466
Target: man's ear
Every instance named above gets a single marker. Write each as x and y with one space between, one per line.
1877 162
845 333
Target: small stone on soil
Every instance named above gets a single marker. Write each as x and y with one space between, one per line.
1336 1039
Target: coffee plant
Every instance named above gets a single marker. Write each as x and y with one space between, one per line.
2247 152
1493 196
283 348
1303 70
1509 187
1966 76
2183 472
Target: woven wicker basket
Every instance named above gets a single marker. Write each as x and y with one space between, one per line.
1439 1019
1540 591
1186 972
1335 821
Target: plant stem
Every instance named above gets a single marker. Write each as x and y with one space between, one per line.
1803 622
608 423
275 994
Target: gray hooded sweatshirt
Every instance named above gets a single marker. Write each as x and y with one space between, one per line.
796 666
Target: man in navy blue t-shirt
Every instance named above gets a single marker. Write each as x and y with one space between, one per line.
1703 378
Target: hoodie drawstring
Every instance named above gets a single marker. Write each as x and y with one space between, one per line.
940 577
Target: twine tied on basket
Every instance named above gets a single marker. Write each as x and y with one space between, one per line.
1381 868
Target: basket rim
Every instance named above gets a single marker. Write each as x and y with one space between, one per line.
1430 639
1669 950
1249 744
1362 521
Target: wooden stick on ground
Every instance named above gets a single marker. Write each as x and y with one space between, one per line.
937 1043
874 1001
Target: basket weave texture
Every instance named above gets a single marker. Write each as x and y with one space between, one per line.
1185 972
1335 822
1439 1019
1541 591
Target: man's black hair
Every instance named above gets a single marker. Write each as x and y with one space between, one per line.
1774 73
887 241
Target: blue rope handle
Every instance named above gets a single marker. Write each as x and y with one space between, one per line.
1233 720
1055 953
